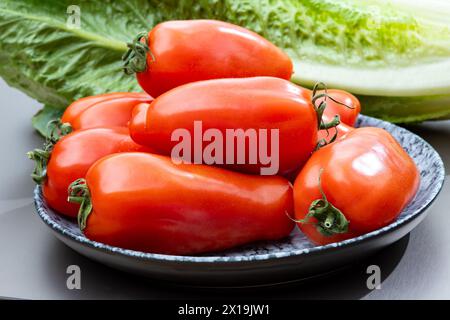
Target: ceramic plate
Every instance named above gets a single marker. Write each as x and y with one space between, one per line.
265 262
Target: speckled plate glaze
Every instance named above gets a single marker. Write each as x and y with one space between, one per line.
265 262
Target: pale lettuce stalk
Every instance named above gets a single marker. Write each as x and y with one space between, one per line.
403 73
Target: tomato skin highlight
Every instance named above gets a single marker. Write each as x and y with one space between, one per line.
366 175
146 202
107 110
192 50
230 104
72 156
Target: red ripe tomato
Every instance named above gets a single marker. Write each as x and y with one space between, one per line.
146 202
138 121
341 103
340 130
72 156
258 103
338 103
180 52
108 110
366 179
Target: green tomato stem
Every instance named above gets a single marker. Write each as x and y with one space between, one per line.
79 193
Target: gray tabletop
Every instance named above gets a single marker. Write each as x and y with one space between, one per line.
33 263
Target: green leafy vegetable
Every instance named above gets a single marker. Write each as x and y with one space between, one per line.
395 54
44 116
42 56
407 109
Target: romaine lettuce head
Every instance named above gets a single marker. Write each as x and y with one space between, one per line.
394 54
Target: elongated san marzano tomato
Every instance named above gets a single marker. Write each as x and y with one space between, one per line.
72 156
146 202
78 106
258 104
366 178
107 110
180 52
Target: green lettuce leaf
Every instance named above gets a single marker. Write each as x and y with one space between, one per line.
42 56
44 116
407 109
395 54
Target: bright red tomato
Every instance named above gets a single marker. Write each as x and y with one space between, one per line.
138 122
347 106
108 110
78 106
146 202
180 52
258 103
338 103
72 156
367 179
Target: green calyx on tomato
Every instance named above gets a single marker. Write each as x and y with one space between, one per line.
135 59
330 220
56 130
79 193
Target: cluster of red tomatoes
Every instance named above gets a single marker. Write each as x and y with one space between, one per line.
114 171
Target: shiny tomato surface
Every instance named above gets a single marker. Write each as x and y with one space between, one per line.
366 175
258 104
146 202
72 156
193 50
107 110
